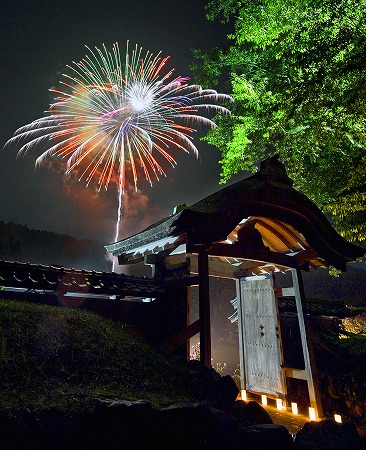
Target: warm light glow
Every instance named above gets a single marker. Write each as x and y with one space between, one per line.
264 400
279 404
338 418
243 394
312 414
294 408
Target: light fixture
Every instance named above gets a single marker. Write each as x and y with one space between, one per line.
243 394
279 404
312 413
294 408
338 418
264 400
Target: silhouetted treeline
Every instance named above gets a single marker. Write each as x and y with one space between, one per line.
20 243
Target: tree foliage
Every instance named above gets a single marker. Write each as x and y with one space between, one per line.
296 70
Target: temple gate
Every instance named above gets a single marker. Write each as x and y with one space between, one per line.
248 231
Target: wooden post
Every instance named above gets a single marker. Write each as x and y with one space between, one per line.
188 301
204 309
307 346
239 308
280 342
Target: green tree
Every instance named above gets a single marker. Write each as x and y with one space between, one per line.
297 73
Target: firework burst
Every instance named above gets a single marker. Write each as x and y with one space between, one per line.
114 121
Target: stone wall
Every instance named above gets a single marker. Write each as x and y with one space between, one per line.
217 420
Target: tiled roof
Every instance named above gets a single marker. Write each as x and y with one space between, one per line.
288 221
57 278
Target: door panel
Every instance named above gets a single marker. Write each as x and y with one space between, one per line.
261 346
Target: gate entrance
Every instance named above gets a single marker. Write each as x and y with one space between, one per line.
261 355
255 227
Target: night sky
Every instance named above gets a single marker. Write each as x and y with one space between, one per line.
38 39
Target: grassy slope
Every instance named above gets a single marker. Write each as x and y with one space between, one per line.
65 358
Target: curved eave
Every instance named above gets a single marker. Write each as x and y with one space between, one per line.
283 204
159 231
287 216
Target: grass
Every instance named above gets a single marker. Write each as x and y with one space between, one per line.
352 337
353 344
63 358
53 357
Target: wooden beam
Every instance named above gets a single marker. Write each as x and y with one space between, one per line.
181 282
222 269
296 373
204 309
242 251
241 335
180 338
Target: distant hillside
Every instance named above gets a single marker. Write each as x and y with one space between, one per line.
19 243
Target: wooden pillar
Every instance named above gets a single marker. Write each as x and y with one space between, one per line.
204 309
307 345
239 308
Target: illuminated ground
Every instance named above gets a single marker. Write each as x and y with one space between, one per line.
291 422
285 417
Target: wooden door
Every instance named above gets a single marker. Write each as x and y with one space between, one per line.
259 334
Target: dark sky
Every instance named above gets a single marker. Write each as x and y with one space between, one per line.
38 39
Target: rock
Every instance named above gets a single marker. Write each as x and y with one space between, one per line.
251 413
265 436
226 429
186 425
201 425
224 391
328 435
50 429
116 425
208 385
